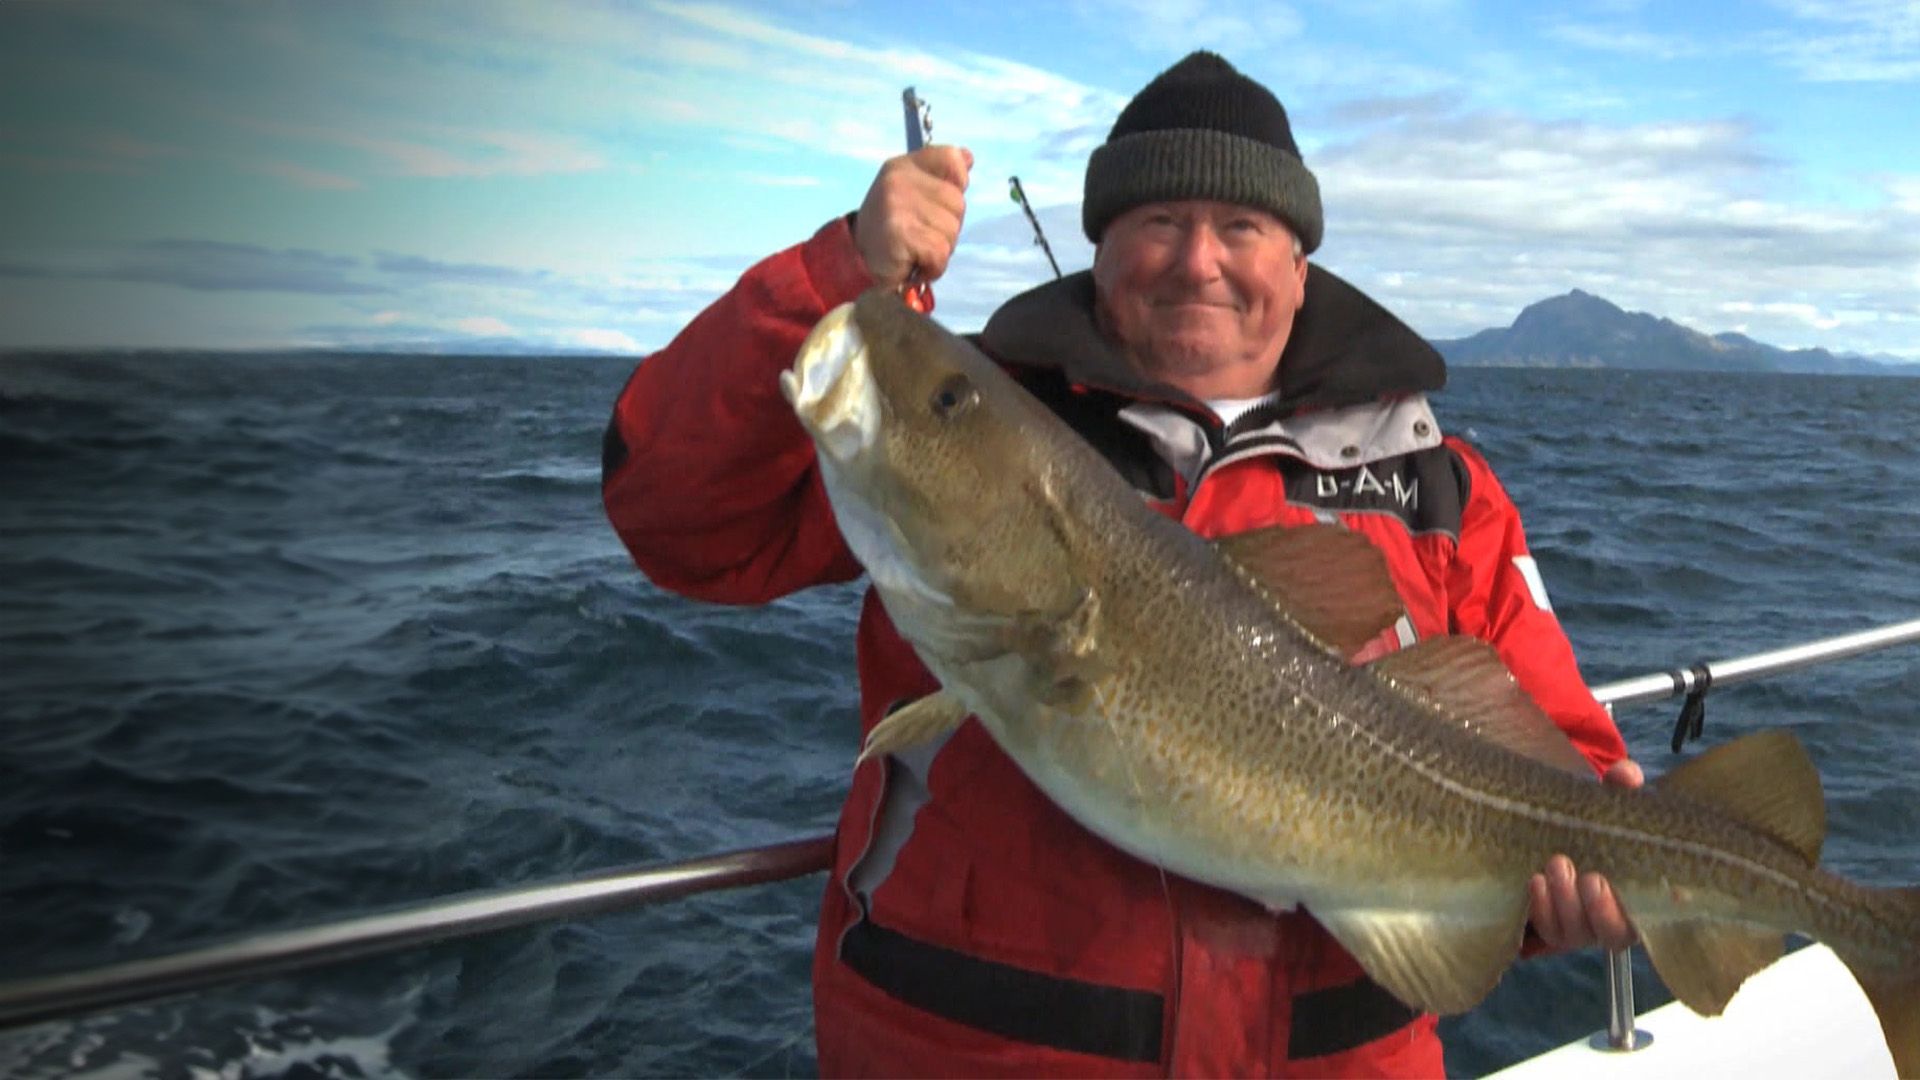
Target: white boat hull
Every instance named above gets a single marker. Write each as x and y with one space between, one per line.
1802 1017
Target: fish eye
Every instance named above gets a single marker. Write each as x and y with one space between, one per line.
954 396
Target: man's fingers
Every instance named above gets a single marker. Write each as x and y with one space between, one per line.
1604 914
1565 890
1571 910
929 238
952 164
1567 921
1625 773
911 217
1540 913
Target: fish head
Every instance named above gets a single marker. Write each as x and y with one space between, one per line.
944 473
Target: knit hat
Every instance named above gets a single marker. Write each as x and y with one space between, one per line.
1202 130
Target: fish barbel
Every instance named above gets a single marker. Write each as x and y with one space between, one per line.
1191 703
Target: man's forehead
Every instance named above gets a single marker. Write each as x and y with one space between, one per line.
1189 208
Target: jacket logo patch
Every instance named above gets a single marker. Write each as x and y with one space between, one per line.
1426 490
1359 488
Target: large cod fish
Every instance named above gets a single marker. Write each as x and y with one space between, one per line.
1191 703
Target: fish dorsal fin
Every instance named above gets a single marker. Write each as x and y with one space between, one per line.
1466 683
912 724
1330 581
1765 780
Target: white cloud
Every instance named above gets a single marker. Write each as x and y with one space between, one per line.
1851 40
452 151
1825 41
1810 314
1625 41
483 326
301 176
603 339
118 144
1157 26
1459 219
765 180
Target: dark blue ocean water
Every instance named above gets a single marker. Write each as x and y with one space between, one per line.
284 638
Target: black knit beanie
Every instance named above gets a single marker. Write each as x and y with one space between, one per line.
1202 130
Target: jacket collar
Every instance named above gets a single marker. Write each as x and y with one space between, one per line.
1345 349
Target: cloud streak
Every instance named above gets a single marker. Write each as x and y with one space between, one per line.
302 176
207 266
445 152
1863 41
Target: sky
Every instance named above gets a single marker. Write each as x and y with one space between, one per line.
569 175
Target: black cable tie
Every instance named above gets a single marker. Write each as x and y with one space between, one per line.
1693 714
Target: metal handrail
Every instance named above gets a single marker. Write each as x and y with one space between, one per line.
32 1000
29 1001
1682 681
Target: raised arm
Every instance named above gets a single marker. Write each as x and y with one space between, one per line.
707 477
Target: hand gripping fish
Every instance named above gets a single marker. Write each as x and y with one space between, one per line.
1190 702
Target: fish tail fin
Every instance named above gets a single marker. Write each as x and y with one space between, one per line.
1767 782
1894 990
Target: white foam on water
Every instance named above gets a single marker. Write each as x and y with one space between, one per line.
139 1044
269 1054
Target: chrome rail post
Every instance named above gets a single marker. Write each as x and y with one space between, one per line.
1620 1035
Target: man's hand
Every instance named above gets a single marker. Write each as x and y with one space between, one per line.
1571 910
911 217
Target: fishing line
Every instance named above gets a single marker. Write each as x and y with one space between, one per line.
1101 703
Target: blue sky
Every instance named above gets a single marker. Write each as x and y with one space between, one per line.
576 175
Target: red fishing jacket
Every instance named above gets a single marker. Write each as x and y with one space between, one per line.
970 927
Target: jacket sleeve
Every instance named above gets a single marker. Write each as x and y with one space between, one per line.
707 476
1495 594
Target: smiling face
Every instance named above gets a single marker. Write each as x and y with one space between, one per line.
1200 294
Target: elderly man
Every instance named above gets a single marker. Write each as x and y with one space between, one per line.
970 926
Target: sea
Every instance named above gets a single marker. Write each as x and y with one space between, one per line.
286 638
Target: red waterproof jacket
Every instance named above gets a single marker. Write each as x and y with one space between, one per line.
970 927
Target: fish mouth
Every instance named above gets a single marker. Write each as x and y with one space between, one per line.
831 387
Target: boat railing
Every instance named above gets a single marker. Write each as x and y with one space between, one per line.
280 952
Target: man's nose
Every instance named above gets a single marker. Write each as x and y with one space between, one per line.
1200 252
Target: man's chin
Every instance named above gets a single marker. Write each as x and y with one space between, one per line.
1173 355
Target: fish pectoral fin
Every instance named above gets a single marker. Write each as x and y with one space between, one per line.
1332 582
1059 636
1765 780
1464 681
917 722
1062 651
1442 962
1703 962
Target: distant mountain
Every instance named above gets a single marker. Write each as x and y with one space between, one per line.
1583 330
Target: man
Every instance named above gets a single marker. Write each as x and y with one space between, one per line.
970 927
